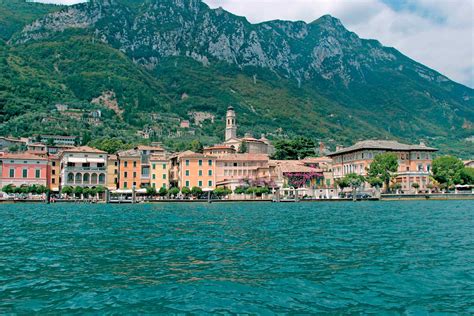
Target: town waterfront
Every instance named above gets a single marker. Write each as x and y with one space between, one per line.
373 257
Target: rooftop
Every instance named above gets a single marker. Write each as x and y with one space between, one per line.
291 166
389 145
84 149
244 157
23 156
144 147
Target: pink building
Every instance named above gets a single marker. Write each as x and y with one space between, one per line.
23 169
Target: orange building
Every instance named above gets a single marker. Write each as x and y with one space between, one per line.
129 169
195 170
135 167
54 170
414 161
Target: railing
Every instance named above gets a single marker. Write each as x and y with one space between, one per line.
80 169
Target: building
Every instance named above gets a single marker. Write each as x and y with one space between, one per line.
160 171
190 169
83 166
112 172
219 150
253 145
135 166
59 139
6 142
237 170
184 124
54 171
23 169
414 161
469 163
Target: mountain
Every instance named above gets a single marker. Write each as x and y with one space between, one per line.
163 60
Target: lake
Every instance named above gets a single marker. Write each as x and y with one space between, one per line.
260 258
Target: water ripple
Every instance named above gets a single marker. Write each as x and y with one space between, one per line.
410 258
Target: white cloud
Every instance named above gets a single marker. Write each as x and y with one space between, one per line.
437 33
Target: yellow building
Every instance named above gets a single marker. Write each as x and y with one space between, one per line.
160 169
112 172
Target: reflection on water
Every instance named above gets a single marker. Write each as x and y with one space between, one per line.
410 257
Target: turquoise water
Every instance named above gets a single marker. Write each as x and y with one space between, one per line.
373 257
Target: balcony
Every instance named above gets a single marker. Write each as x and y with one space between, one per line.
82 169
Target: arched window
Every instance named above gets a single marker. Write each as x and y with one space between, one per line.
101 178
70 178
94 178
86 178
78 178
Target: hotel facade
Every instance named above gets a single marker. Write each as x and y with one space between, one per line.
414 161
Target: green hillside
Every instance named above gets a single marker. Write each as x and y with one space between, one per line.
156 84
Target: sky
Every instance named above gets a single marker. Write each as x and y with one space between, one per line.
436 33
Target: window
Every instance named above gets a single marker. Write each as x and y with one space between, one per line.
187 184
53 180
134 184
25 173
164 176
154 166
134 164
200 183
164 186
153 176
154 185
53 172
235 164
209 172
200 162
134 174
210 162
210 183
125 185
37 173
200 173
164 166
53 163
187 162
187 173
116 164
420 167
125 174
115 171
125 164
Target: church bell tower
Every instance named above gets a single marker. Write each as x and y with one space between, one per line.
231 125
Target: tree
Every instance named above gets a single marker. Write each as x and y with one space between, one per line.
8 189
467 175
239 190
243 148
163 192
354 180
186 191
196 146
383 167
196 191
100 189
67 190
150 191
86 192
78 191
342 183
174 191
375 182
447 171
295 149
261 191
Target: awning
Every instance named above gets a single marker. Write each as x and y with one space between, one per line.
96 160
77 160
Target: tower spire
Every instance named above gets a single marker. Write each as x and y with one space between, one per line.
231 124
